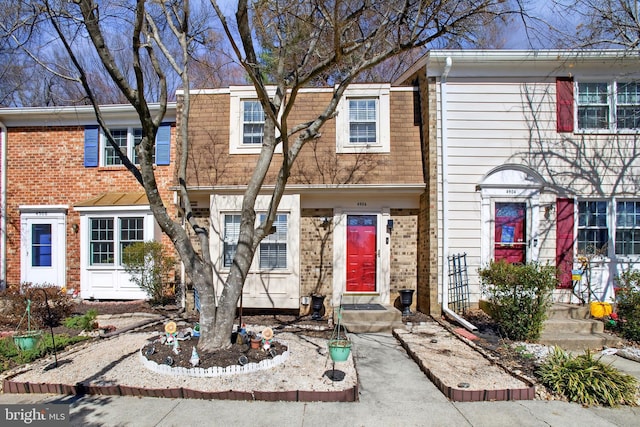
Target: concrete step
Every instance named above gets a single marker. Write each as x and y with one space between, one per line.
580 342
362 321
571 327
372 327
568 311
574 326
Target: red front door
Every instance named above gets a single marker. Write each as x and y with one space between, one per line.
510 242
361 253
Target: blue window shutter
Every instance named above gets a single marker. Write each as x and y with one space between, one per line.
163 144
91 146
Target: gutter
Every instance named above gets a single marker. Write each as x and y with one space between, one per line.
445 199
3 208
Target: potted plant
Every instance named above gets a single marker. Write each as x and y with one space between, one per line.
29 339
339 344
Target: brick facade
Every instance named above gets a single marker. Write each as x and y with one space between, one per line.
45 166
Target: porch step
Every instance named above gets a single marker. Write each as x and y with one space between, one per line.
363 321
574 342
568 311
571 327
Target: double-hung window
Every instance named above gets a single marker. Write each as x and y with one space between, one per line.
230 238
593 106
252 122
110 235
273 248
593 232
272 251
127 140
247 120
363 119
628 106
608 106
627 228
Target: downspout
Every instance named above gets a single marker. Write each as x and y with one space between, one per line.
3 207
445 199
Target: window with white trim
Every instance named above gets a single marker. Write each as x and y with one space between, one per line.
230 238
252 122
627 234
272 251
127 140
608 106
273 248
107 243
363 119
593 232
247 118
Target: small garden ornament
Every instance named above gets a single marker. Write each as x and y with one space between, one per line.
267 336
195 359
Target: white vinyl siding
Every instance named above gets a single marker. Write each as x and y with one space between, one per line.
493 124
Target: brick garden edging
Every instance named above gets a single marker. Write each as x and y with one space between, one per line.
348 395
468 395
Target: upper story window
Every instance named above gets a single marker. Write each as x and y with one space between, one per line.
363 120
98 151
246 124
127 140
608 106
252 122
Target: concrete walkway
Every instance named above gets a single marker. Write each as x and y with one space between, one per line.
393 392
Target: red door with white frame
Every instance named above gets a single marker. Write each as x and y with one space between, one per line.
510 242
361 253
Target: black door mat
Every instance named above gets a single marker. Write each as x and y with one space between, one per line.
362 307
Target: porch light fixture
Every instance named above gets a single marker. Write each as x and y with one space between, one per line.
74 227
325 222
548 210
389 225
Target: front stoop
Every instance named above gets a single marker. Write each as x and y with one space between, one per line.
571 327
369 321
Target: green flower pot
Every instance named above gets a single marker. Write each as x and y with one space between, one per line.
27 341
339 349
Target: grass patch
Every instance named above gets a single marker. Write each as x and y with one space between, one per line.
11 356
86 322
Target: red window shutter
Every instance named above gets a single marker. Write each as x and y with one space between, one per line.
564 241
564 104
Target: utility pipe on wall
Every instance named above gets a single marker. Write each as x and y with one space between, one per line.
3 207
445 198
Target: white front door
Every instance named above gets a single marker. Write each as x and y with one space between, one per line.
43 254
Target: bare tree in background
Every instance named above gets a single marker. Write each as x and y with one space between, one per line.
600 23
